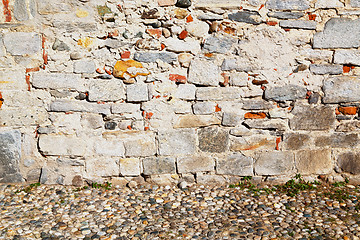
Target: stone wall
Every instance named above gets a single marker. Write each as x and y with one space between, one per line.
202 90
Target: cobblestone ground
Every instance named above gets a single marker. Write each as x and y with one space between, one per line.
168 212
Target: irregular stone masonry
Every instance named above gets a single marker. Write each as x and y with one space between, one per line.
174 90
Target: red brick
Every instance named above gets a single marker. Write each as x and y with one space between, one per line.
183 34
177 78
125 54
189 19
348 110
251 115
154 32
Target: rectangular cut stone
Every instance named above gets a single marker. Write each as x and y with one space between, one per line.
322 69
213 139
54 145
10 155
226 4
79 106
351 57
84 66
286 15
195 163
339 33
253 142
140 145
298 24
125 108
106 90
58 81
186 92
307 117
231 119
317 55
355 3
271 124
257 104
202 72
341 89
324 4
204 107
23 116
274 163
102 167
337 140
137 93
109 147
219 44
21 43
130 167
20 10
177 142
296 141
192 121
159 165
287 4
148 57
314 161
235 164
285 93
349 162
12 80
219 94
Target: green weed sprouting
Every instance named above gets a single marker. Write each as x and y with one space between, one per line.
28 188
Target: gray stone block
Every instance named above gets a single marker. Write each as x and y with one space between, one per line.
251 17
195 163
137 93
218 94
177 142
337 140
21 43
349 162
10 154
231 119
159 165
347 57
219 44
308 117
287 4
206 73
322 69
285 93
341 89
314 161
257 104
298 24
213 139
339 33
274 163
78 106
238 64
204 107
286 15
84 66
185 92
106 90
296 141
355 3
58 81
20 10
148 57
235 164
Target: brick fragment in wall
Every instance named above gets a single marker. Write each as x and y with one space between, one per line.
78 106
341 89
193 121
159 165
196 163
274 163
21 43
351 57
337 140
298 24
58 81
314 161
55 145
235 164
130 167
177 142
213 139
322 69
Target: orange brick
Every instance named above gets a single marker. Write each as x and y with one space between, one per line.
183 34
271 23
189 19
154 32
177 78
348 110
217 108
125 54
346 69
251 115
312 17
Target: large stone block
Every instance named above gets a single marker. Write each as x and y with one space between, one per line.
285 93
337 140
106 90
195 163
102 167
21 43
287 4
12 80
322 69
204 73
308 117
252 142
257 104
349 162
10 154
137 93
58 81
235 164
24 116
341 89
159 165
296 141
213 139
78 106
185 92
219 44
109 147
314 161
298 24
339 33
177 142
193 121
55 145
274 163
148 57
130 167
347 57
220 94
204 107
140 145
271 124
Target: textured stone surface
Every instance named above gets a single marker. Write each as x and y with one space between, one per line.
285 93
204 107
209 76
274 163
194 164
219 44
147 57
191 121
235 164
253 142
347 57
231 119
20 43
257 104
251 17
328 4
106 90
312 118
300 24
137 93
84 66
314 161
159 165
109 147
296 141
10 154
130 167
287 5
102 167
213 140
217 4
341 89
286 15
58 81
185 92
212 93
140 145
79 106
322 69
177 142
20 10
55 145
337 140
354 3
349 162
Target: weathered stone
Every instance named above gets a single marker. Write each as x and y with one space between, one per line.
164 3
208 4
322 69
213 139
125 108
198 29
148 57
210 16
58 81
240 131
207 179
193 121
298 24
10 154
314 161
312 118
238 64
337 140
178 46
351 57
107 147
130 167
61 46
314 98
341 89
287 4
185 92
317 55
204 73
231 119
204 107
218 94
355 3
78 106
84 66
159 165
272 124
140 145
54 145
285 93
106 90
252 142
183 3
219 44
328 4
257 104
286 15
137 93
177 142
194 164
348 126
102 167
339 33
349 162
20 10
235 164
21 43
110 125
251 17
274 163
296 141
239 79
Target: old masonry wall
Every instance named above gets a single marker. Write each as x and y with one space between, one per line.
166 90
